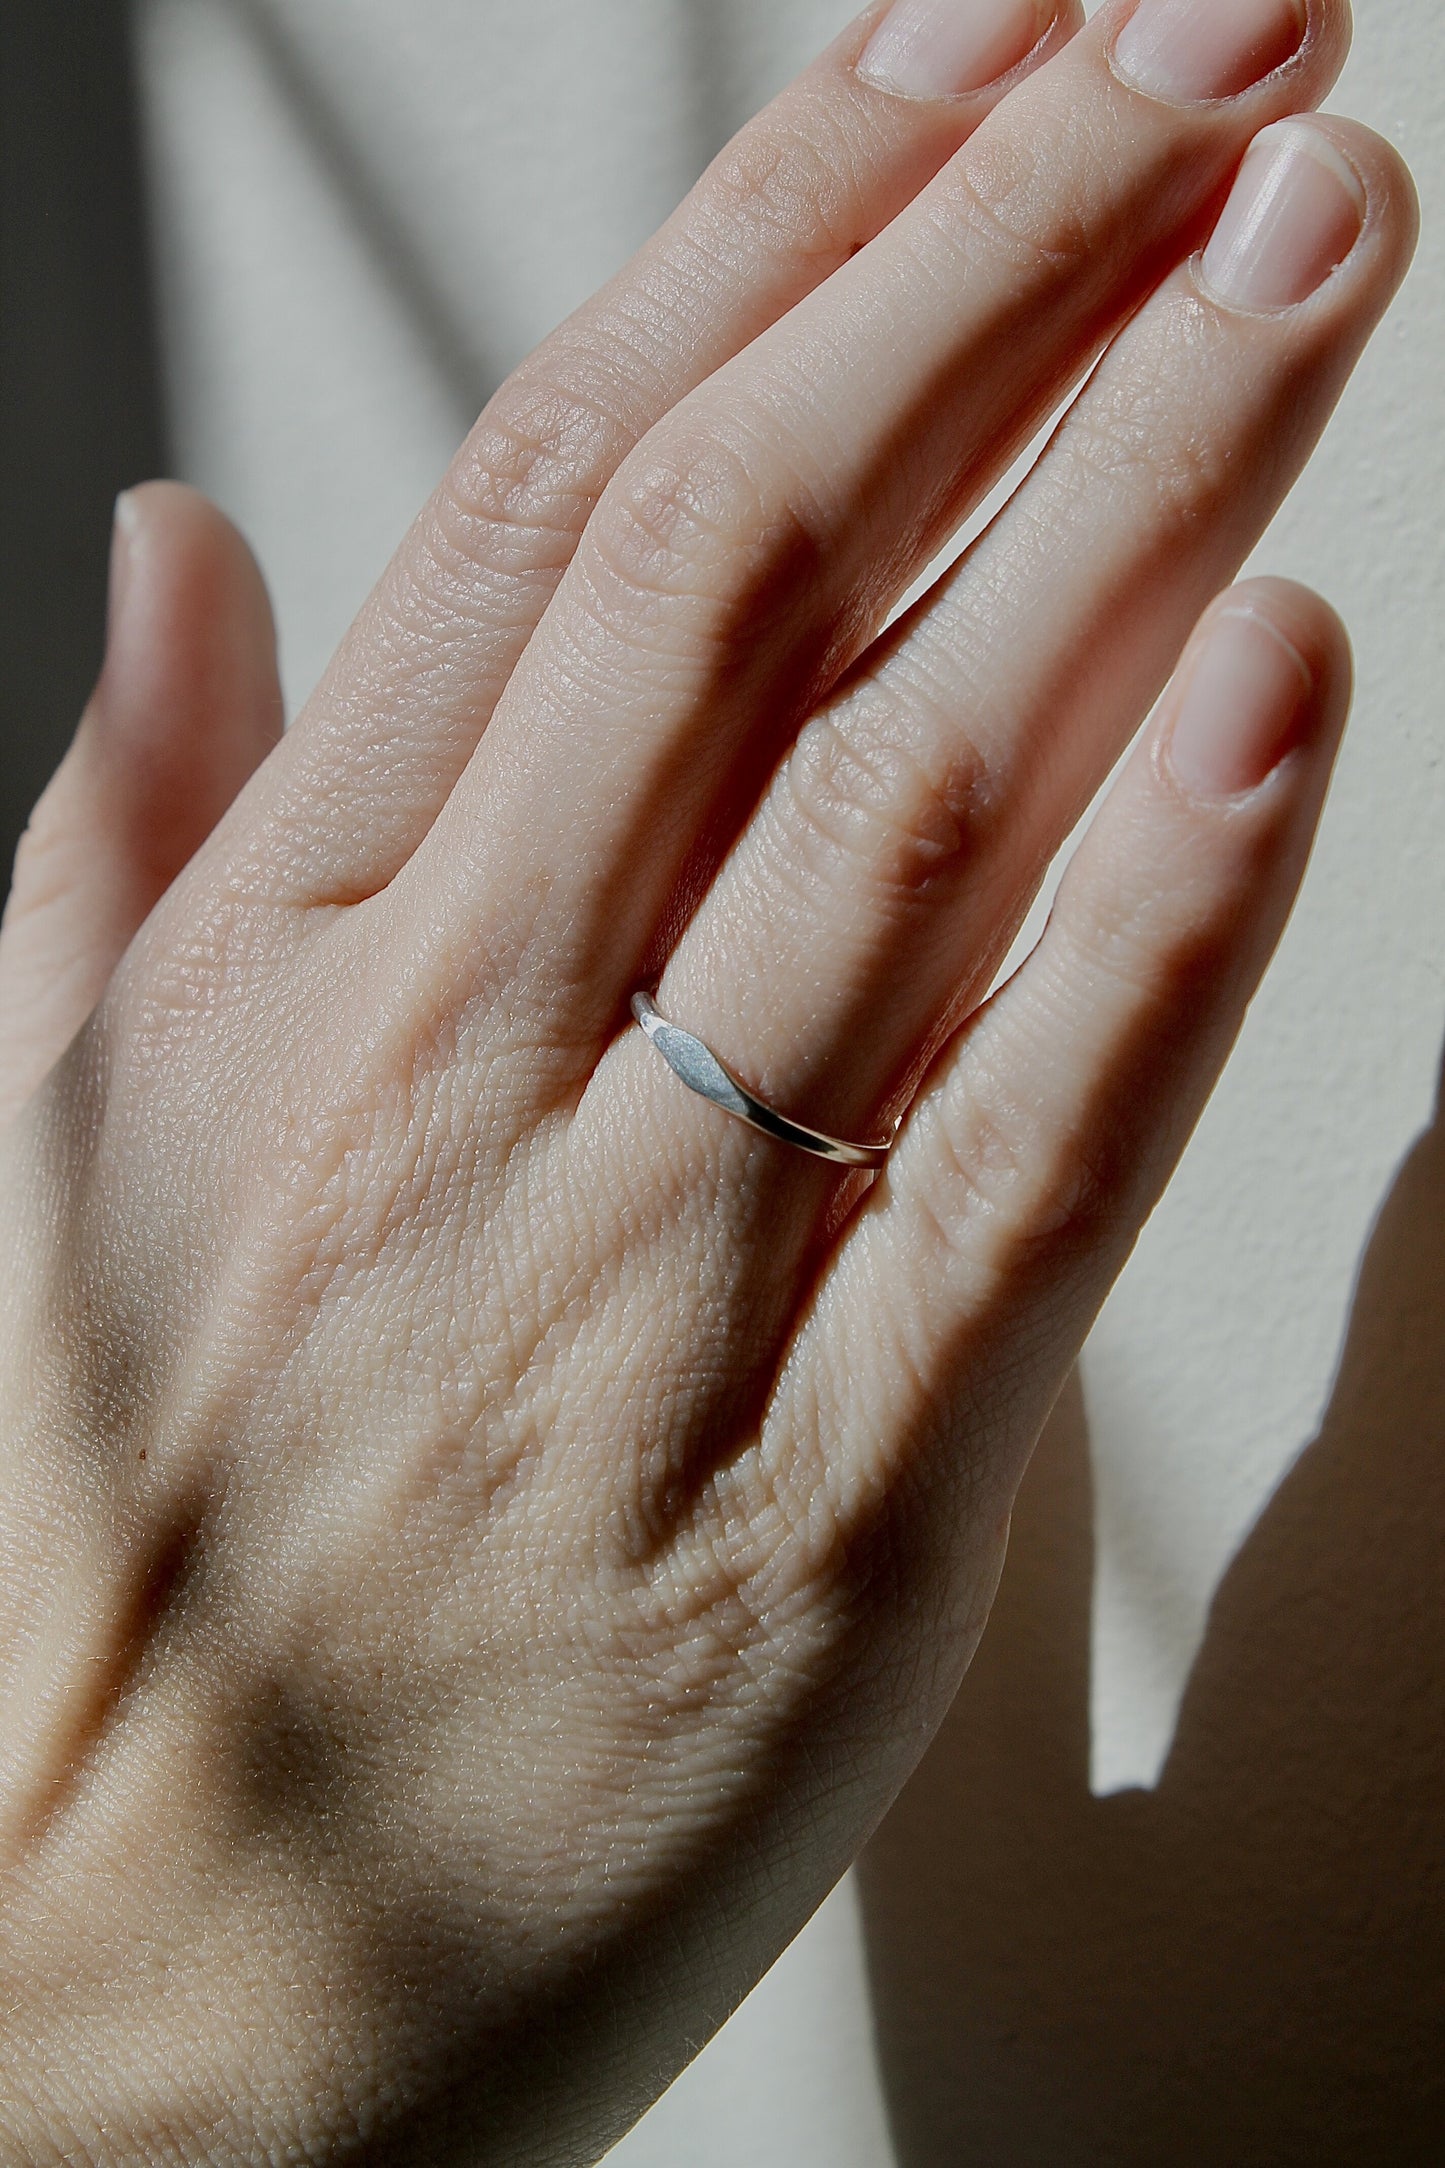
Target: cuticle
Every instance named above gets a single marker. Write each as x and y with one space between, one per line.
1011 75
1267 316
1309 42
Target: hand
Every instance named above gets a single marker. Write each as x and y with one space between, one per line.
485 1534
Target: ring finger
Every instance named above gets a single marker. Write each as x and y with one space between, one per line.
871 899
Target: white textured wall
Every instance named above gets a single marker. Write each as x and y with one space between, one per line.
1211 1368
366 210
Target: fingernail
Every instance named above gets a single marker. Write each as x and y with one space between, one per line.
945 48
1190 51
1246 703
1293 216
122 533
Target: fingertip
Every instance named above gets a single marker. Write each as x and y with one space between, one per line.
187 706
1267 675
1331 34
192 630
1393 215
189 699
932 50
1311 625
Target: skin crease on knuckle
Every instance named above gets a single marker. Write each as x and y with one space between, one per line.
689 520
797 189
802 189
855 807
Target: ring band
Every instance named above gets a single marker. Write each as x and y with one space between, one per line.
702 1072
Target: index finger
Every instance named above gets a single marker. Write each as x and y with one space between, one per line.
816 175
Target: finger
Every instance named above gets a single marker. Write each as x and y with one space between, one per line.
765 527
867 908
817 174
187 706
1050 1126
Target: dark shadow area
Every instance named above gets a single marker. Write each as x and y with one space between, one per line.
1248 1964
80 399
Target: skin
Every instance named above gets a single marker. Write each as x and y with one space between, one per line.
483 1536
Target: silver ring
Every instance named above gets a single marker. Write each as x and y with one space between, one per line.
702 1072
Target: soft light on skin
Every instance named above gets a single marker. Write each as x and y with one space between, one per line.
1292 218
1246 696
1193 51
947 48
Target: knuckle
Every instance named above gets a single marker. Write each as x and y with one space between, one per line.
1004 191
793 184
1150 957
684 519
1086 1196
528 470
1171 467
1007 1177
900 816
975 1161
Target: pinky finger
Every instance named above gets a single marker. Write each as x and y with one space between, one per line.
187 706
1051 1125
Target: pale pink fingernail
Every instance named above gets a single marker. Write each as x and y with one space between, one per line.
122 532
945 48
1247 701
1191 51
1293 216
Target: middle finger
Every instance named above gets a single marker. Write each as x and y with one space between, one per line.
751 546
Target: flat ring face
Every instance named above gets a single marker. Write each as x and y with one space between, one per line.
702 1072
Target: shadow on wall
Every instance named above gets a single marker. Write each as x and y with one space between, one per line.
80 403
1248 1964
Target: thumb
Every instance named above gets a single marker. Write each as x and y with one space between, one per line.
187 706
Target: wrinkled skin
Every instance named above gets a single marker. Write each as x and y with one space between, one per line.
483 1535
